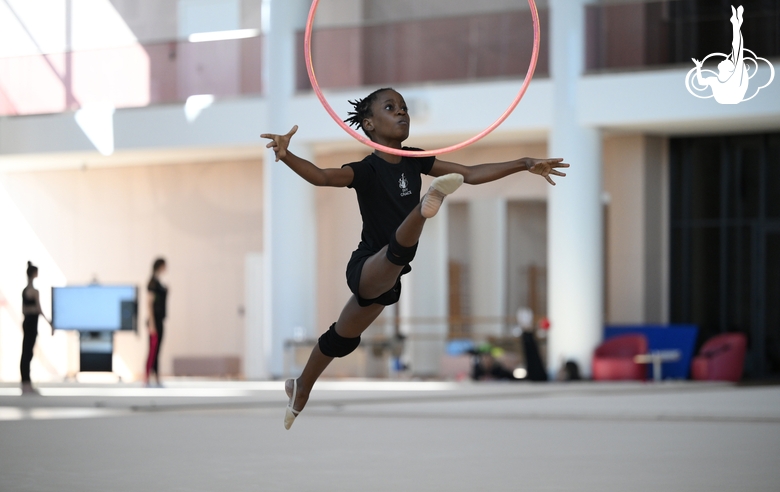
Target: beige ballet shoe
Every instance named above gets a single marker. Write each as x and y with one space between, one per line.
440 187
290 413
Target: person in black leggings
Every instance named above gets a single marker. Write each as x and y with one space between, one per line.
158 296
31 308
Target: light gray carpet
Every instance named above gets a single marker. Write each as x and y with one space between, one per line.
376 437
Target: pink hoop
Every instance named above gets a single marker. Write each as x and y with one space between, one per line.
412 153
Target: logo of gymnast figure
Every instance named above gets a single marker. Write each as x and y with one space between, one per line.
730 84
403 183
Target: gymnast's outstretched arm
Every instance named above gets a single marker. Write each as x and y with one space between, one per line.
318 177
39 310
484 173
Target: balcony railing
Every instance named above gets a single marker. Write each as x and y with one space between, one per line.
131 76
465 48
461 48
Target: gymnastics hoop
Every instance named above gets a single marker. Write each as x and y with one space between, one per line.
416 153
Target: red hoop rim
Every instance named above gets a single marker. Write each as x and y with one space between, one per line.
417 153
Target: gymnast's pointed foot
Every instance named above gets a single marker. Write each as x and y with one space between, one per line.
440 187
297 399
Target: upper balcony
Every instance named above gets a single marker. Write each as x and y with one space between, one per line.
131 76
626 36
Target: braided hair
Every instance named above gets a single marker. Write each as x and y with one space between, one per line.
363 109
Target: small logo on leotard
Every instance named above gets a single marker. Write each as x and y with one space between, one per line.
403 183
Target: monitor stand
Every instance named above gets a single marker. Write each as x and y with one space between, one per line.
96 351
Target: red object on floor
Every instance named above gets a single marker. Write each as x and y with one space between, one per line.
722 358
614 359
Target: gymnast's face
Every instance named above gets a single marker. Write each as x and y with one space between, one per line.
390 120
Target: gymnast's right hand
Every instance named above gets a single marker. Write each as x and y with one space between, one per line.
279 143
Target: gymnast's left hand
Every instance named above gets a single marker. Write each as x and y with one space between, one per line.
279 143
546 167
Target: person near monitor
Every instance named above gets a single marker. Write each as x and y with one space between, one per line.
31 309
158 296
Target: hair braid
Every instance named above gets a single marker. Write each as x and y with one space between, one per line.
362 109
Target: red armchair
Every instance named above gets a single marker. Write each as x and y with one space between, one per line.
721 358
614 359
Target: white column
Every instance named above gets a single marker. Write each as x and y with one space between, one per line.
487 265
575 275
289 230
257 353
424 298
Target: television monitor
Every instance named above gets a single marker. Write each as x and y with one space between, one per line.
95 307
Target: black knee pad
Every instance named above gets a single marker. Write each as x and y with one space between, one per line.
334 345
400 255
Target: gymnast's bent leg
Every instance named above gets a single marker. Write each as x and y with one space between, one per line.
381 271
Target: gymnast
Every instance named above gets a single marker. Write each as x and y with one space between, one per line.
388 193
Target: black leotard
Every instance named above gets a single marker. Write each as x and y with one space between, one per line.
386 193
30 328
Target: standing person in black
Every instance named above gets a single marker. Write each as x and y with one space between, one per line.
388 192
158 297
31 309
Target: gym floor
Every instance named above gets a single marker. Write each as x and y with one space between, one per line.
392 436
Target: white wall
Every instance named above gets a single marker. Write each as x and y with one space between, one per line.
21 244
526 246
488 265
424 299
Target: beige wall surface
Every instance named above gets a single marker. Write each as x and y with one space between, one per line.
624 183
634 170
111 223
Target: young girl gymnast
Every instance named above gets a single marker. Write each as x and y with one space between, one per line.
388 193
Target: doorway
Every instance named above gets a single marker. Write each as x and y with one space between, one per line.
725 241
